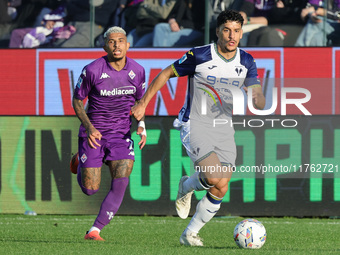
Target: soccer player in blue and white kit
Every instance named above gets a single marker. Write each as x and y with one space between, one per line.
214 72
112 83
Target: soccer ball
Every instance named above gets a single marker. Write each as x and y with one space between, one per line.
250 234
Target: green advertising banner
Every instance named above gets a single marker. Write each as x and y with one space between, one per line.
285 167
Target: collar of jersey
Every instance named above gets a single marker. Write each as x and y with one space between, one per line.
223 58
124 68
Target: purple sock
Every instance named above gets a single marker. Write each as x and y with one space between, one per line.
111 202
86 191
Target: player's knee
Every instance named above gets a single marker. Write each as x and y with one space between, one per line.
224 190
212 181
89 192
223 186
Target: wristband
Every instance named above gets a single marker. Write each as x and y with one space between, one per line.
142 124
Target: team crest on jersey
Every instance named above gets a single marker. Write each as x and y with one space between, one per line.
239 70
132 75
183 59
83 158
79 82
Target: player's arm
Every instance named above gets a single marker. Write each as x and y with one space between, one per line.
259 101
141 130
252 81
158 82
92 132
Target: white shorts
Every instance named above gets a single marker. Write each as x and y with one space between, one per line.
201 140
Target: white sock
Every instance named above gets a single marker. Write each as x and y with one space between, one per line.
205 211
94 228
194 183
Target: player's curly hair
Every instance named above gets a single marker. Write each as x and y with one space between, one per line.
229 15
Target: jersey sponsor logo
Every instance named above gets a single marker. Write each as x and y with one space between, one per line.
191 53
79 82
104 76
84 72
211 67
127 90
143 85
132 74
183 59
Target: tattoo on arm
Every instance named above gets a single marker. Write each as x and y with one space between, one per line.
143 118
80 112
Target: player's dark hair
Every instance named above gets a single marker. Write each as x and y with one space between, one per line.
229 15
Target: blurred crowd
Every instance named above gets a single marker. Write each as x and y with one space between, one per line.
166 23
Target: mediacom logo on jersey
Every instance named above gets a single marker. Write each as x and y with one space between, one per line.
127 90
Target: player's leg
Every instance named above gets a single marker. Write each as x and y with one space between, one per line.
89 179
120 172
89 182
89 167
89 173
196 181
209 205
186 187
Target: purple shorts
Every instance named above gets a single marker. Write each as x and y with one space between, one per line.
115 149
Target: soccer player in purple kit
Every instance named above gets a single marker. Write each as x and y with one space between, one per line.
113 84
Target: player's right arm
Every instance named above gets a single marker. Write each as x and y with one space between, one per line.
92 132
157 83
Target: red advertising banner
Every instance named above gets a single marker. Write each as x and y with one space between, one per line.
41 81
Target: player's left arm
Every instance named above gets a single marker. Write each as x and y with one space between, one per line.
259 101
141 130
252 81
157 83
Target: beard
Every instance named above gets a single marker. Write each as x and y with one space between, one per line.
117 58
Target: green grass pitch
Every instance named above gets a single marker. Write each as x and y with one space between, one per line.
60 234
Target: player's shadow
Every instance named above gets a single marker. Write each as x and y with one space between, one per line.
217 247
224 247
36 241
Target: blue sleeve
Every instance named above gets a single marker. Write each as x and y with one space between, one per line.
249 62
186 65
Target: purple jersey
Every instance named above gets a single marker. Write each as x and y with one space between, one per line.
111 94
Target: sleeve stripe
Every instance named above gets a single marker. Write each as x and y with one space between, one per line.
173 68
